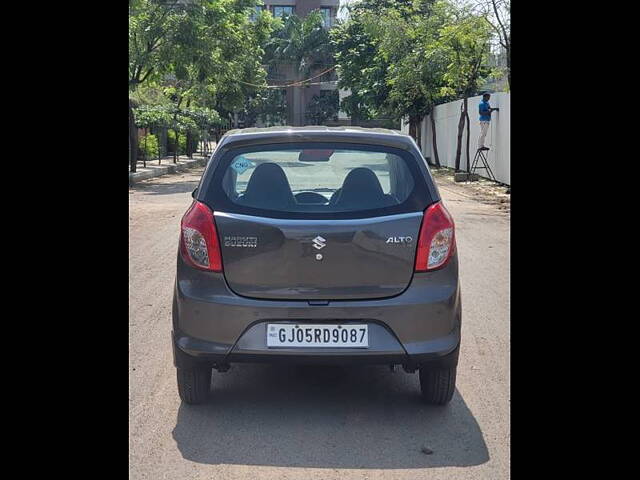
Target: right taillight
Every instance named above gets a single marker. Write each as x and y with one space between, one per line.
199 243
436 242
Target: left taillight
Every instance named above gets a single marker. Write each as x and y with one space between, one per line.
199 243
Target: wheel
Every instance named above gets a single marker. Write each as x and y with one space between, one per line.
193 384
437 384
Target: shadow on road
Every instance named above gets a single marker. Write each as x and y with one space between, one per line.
160 188
326 417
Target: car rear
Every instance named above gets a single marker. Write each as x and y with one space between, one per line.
317 245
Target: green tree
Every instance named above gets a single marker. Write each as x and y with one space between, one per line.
269 105
303 42
202 49
425 52
411 42
361 69
465 42
396 67
323 107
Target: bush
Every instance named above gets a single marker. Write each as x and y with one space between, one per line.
149 144
171 143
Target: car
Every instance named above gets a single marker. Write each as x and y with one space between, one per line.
322 245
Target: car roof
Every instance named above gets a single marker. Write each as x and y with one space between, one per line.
285 134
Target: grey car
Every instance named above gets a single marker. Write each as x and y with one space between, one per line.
317 245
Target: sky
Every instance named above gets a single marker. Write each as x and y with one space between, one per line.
341 11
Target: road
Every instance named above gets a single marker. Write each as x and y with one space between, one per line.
277 422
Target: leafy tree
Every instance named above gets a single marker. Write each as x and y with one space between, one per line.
202 49
149 146
465 42
323 107
360 67
304 42
244 76
415 76
269 105
425 52
393 68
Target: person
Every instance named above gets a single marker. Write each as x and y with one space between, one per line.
485 118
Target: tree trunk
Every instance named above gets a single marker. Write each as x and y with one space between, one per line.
459 140
466 115
176 155
188 144
133 140
413 128
435 142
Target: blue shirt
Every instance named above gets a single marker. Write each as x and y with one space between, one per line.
485 111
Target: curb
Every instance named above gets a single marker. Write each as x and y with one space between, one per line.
158 170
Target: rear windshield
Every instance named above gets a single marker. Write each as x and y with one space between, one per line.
318 180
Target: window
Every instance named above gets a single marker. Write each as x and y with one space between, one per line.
281 11
326 17
317 180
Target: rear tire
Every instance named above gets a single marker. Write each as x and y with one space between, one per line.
194 384
437 384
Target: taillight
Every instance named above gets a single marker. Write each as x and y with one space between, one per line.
199 240
436 242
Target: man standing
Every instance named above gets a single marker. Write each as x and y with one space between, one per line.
485 119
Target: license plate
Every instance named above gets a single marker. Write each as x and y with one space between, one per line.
304 335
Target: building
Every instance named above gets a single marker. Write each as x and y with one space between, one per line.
299 98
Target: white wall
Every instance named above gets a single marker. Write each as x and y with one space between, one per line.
498 137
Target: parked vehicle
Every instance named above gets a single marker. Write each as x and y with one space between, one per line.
317 245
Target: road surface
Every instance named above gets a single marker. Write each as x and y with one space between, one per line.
279 422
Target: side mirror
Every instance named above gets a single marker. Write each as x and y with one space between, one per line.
194 193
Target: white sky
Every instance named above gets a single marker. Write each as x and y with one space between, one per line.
341 12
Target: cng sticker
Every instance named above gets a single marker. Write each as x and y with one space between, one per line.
241 164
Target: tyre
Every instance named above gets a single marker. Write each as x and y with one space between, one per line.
437 384
193 384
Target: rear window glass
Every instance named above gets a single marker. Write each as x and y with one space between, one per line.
317 180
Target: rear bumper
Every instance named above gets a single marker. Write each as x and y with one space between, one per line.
189 352
213 325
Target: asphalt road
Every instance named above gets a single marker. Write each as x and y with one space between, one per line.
308 423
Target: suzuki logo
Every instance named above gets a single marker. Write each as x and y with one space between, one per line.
319 242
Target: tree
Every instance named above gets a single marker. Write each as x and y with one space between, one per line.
323 107
417 64
204 48
360 66
269 105
304 44
396 67
465 42
152 116
497 14
153 33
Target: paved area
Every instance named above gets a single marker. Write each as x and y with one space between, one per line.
164 166
276 422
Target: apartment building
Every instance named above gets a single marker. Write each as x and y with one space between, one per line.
298 98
